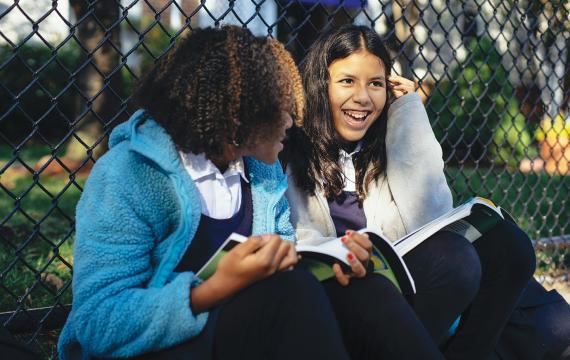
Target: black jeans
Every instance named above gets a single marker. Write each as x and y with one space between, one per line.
377 322
539 327
481 281
286 316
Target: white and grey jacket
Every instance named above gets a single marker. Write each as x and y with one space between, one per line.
412 191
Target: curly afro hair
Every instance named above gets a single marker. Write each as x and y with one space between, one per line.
221 86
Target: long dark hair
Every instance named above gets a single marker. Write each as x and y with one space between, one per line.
312 150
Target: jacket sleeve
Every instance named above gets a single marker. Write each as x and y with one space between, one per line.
414 164
114 313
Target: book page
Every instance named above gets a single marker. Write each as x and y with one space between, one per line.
410 241
211 265
464 229
334 248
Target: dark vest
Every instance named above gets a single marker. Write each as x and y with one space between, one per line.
212 233
346 213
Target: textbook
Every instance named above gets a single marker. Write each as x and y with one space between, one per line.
470 219
318 259
314 257
386 261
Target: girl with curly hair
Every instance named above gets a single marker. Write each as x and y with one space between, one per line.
366 156
197 162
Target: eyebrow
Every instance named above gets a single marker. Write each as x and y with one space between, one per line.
379 77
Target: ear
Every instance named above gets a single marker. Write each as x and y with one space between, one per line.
389 95
232 152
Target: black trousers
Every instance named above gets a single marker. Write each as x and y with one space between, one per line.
377 322
481 281
539 328
286 316
10 348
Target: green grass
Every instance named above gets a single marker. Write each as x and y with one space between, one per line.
37 224
28 154
538 202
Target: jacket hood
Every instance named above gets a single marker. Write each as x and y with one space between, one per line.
148 138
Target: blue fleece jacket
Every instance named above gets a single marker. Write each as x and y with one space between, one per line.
138 213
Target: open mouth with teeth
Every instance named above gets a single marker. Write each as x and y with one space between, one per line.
356 118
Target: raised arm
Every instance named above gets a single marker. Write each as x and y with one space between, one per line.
414 164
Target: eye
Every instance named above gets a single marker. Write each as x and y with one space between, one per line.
377 83
346 81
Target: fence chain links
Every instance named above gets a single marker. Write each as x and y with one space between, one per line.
495 75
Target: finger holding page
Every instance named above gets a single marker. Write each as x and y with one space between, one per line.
358 269
359 244
341 277
251 245
266 254
290 260
239 268
281 253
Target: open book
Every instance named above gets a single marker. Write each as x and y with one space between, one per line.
386 261
471 219
318 259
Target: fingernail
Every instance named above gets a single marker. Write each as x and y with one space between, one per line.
343 239
350 256
349 232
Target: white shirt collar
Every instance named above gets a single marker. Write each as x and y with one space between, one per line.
347 166
199 167
344 155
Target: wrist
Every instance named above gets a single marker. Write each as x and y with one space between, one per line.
208 294
220 287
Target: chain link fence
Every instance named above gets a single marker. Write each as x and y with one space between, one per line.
495 76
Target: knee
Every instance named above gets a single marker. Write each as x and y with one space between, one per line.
459 267
375 300
519 259
294 279
293 286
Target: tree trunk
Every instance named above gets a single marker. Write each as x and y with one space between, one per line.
100 83
406 16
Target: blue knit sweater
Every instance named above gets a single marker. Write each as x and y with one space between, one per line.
138 213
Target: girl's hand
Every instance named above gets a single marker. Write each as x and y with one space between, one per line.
400 86
360 248
251 261
290 260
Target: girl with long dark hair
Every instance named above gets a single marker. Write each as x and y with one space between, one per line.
366 156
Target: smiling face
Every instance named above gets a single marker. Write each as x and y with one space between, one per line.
357 93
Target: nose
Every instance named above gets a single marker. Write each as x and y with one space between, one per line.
361 95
